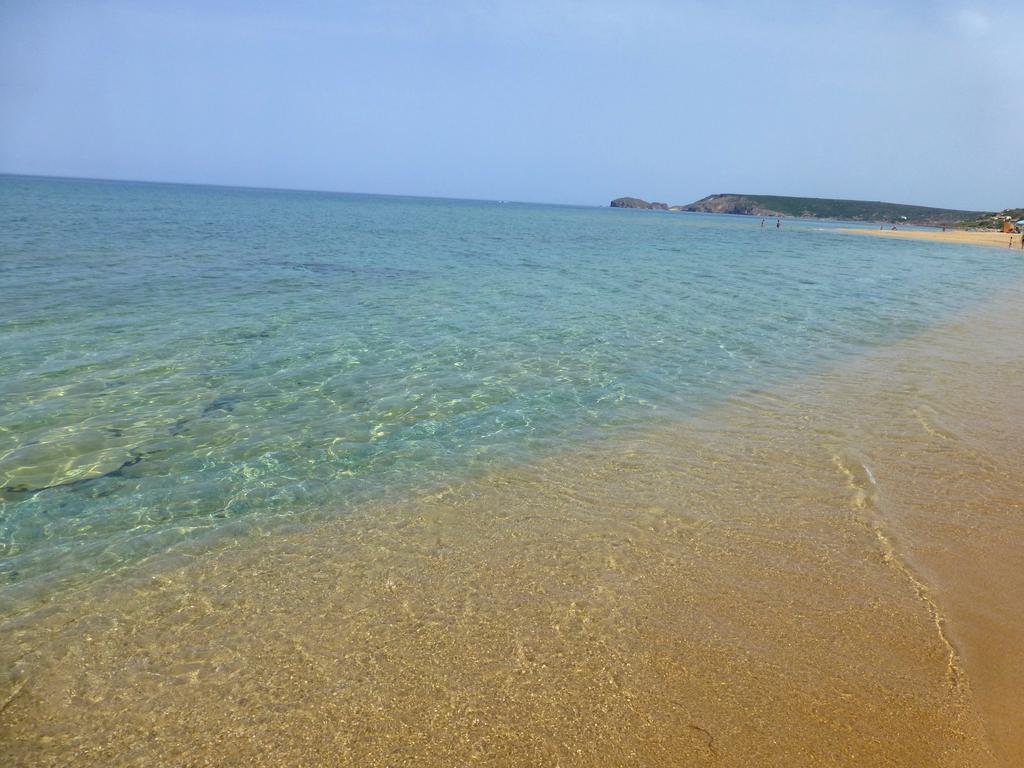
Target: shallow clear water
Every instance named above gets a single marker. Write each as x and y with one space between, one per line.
179 360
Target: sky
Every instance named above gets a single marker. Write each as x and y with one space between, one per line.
562 101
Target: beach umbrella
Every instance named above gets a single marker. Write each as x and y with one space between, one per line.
1020 221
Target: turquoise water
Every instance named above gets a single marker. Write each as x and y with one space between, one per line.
181 360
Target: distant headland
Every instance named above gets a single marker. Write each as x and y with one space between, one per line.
826 208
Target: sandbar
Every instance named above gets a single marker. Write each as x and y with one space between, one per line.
957 236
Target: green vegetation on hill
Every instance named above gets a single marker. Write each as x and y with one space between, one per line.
825 208
838 210
992 220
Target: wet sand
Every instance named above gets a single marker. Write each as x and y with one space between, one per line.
826 573
961 237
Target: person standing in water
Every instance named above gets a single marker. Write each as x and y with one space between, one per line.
778 223
762 223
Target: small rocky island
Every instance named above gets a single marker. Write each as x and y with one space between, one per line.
636 202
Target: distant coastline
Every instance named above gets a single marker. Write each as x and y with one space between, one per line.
832 209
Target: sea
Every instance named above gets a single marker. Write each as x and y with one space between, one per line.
182 359
297 477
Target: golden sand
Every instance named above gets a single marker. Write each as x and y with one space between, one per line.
961 237
827 573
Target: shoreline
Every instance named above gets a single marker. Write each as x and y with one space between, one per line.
791 563
956 237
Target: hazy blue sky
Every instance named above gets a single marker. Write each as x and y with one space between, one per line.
555 101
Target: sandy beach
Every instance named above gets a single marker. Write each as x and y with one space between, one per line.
825 573
961 237
387 388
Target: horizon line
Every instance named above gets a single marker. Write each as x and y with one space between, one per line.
248 187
